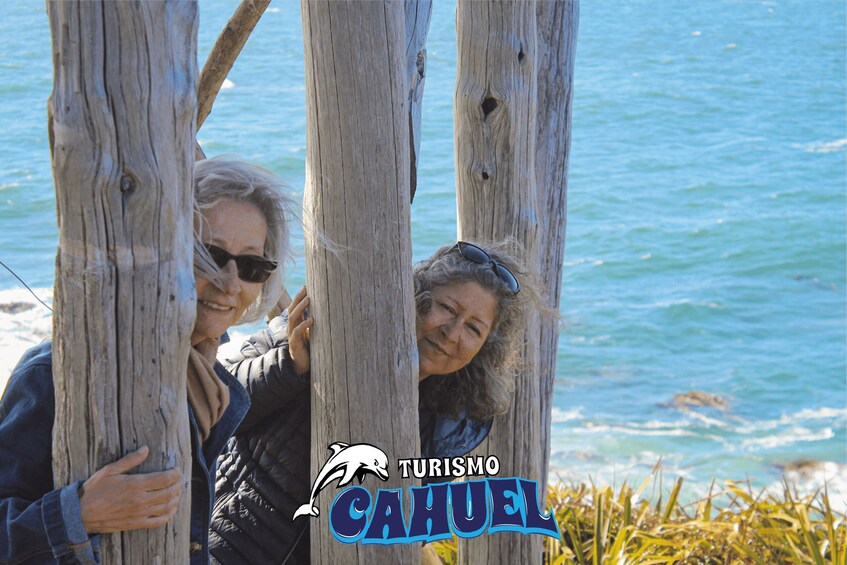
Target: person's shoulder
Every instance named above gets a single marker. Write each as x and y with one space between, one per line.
31 380
36 362
41 354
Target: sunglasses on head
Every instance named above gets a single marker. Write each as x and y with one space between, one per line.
478 255
251 268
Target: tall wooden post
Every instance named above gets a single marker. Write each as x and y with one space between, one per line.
418 15
364 359
122 134
512 113
495 120
557 33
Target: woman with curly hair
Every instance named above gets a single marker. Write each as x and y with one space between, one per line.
470 300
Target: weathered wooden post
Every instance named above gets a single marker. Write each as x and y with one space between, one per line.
509 98
556 54
418 16
364 360
122 135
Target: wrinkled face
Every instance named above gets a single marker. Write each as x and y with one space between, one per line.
240 228
455 328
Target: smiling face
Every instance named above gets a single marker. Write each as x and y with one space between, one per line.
240 229
455 328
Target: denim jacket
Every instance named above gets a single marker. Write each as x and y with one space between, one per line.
40 524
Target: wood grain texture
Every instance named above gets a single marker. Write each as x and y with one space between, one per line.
495 124
122 142
418 16
224 53
557 32
364 357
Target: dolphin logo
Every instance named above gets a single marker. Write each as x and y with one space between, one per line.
346 463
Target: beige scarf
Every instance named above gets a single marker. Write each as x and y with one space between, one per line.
207 394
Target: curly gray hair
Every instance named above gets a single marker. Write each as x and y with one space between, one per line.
225 177
484 387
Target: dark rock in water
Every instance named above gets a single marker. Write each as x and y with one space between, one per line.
16 307
805 468
698 398
801 465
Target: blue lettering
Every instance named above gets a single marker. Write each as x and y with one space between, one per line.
536 522
348 514
439 510
469 504
429 514
387 521
506 506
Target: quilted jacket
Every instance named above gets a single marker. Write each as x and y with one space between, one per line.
264 475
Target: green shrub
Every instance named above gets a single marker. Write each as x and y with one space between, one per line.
732 526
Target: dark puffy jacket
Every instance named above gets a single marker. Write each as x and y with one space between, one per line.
264 475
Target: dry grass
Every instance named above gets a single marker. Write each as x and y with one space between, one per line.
731 526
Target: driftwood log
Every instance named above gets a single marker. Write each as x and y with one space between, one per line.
122 135
364 358
224 53
222 57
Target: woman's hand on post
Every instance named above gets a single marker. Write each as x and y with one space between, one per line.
299 326
113 501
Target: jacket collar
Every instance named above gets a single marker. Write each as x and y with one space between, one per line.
220 433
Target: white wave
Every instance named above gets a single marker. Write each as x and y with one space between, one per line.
706 419
819 414
827 146
827 475
559 416
805 415
787 437
676 302
227 84
635 431
661 425
22 329
633 470
583 260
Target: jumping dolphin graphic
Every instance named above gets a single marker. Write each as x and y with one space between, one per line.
346 463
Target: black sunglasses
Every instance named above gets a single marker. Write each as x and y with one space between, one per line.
251 268
478 255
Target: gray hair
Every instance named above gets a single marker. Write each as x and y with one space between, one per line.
485 386
229 178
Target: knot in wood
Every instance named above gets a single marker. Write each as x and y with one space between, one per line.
127 184
421 63
489 105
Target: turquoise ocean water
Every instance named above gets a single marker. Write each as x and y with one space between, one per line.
706 228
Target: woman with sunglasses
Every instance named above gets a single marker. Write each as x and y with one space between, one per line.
241 233
470 302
